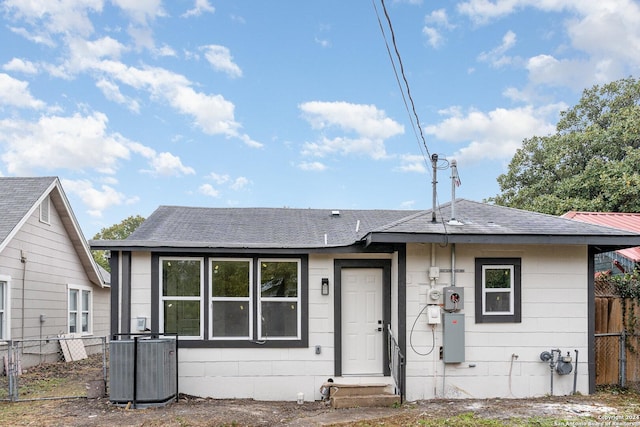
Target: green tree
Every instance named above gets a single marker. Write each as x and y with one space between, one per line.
119 231
591 163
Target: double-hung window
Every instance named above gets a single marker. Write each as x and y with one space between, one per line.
279 299
231 295
498 287
80 312
181 302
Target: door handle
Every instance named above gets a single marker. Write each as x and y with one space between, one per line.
379 329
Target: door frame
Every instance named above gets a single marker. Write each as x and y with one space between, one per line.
385 266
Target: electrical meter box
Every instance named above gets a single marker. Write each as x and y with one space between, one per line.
453 298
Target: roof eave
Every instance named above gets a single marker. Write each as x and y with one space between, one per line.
613 242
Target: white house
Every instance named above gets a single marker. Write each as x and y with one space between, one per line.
272 302
49 282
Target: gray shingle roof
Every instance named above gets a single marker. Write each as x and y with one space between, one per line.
260 227
485 223
17 197
274 228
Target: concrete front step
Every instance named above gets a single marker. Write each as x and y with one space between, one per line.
368 401
361 395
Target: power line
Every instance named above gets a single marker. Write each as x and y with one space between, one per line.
404 78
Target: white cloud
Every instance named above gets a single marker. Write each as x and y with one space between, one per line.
221 60
98 200
141 11
496 134
112 92
496 57
57 17
605 35
365 120
208 190
370 125
166 164
312 166
16 93
240 183
200 7
412 163
436 21
75 143
21 66
37 36
434 37
219 179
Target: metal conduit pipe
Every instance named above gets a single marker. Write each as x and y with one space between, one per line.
453 264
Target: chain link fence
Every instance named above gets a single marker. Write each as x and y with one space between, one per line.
53 368
618 360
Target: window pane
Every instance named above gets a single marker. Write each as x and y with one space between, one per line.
497 302
2 326
2 291
182 317
279 319
229 278
230 318
497 278
85 322
72 323
181 278
85 300
73 300
279 279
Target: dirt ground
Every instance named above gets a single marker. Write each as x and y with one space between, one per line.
602 409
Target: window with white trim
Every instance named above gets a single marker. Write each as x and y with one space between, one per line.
4 309
181 296
231 298
80 310
498 284
279 299
45 208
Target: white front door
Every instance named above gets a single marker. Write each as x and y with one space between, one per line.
361 316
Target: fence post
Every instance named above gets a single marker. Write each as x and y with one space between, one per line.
623 359
12 365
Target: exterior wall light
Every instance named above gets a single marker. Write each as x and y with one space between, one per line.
325 286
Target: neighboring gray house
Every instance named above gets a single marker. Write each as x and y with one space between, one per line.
272 302
49 282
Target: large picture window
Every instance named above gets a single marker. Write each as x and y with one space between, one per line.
181 302
498 284
80 310
231 294
279 300
233 301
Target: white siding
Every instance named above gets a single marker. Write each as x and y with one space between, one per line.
554 315
41 282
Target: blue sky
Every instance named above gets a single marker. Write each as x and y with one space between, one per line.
141 103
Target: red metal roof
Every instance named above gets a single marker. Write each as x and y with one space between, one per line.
619 220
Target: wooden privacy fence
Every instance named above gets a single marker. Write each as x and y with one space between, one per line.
617 348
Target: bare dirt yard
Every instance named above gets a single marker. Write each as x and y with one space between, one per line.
610 408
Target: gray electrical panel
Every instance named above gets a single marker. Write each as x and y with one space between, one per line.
453 337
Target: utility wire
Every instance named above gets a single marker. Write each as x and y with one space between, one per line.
402 73
402 91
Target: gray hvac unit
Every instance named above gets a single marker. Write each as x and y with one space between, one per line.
152 373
